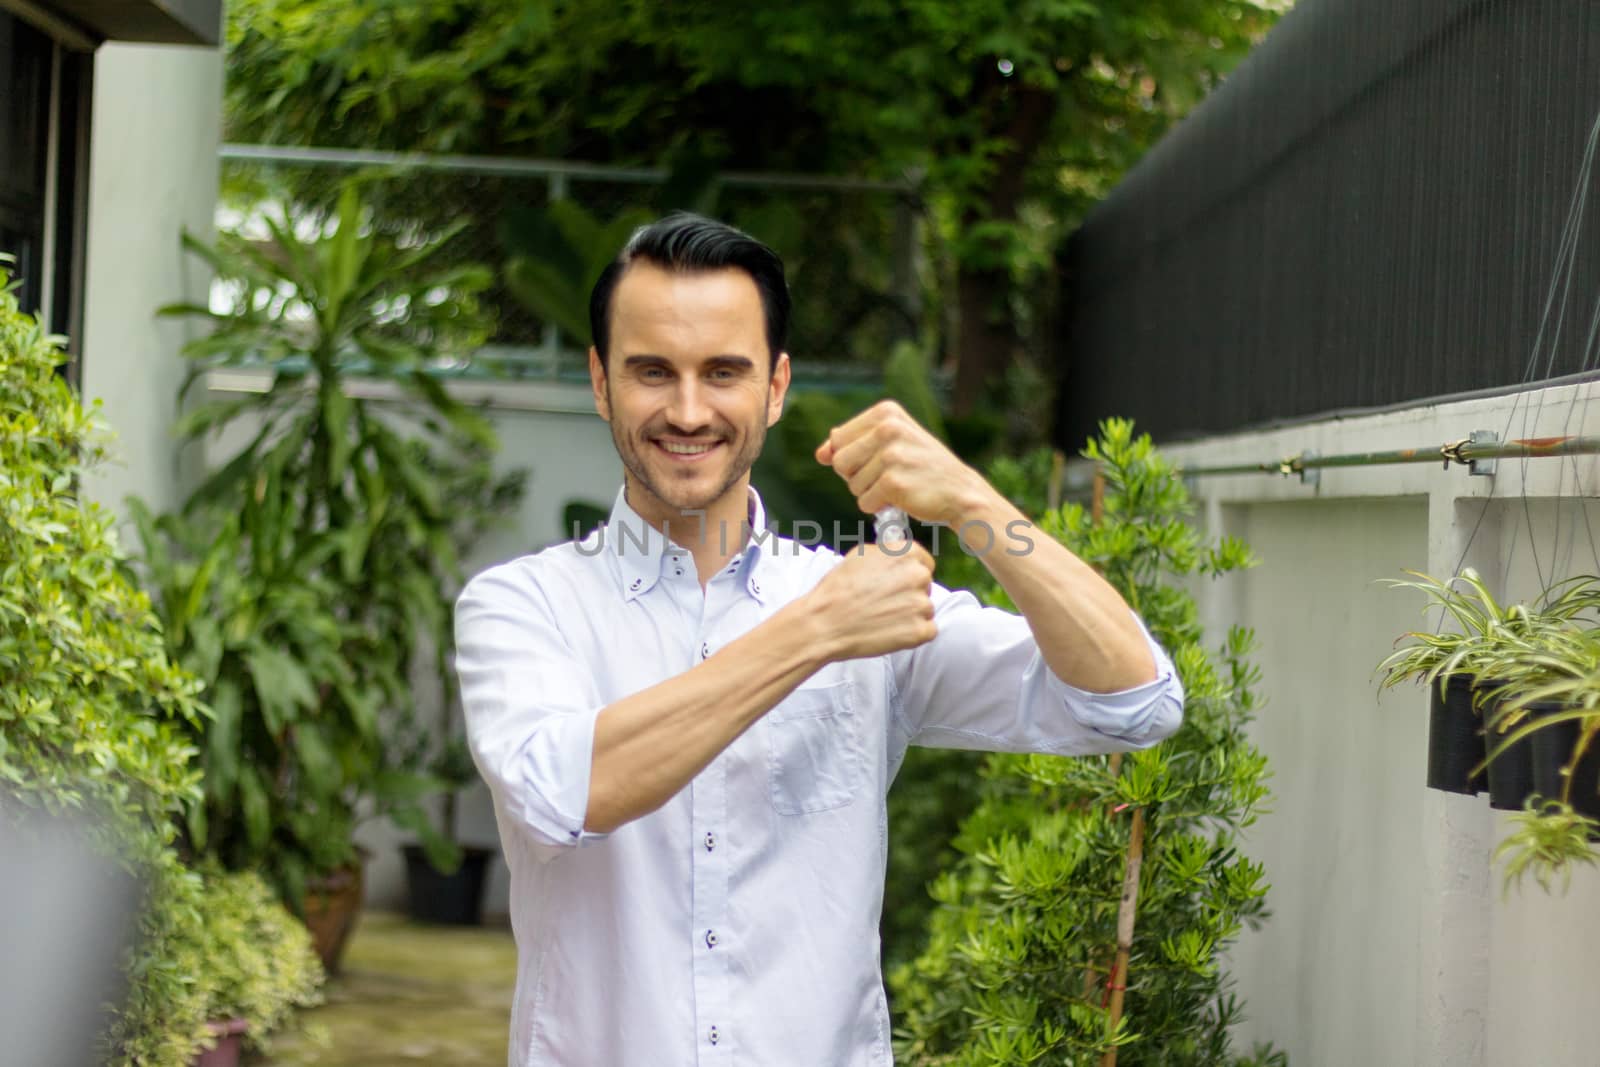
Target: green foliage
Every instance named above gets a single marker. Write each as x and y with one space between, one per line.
310 568
1547 841
257 958
1024 935
795 487
580 517
212 947
1544 662
932 794
96 719
92 711
293 739
561 250
1490 640
1012 117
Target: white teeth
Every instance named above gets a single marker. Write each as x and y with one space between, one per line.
684 450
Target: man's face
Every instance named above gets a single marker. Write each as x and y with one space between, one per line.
687 391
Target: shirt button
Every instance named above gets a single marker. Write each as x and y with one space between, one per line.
705 651
636 583
711 841
711 939
712 1036
755 588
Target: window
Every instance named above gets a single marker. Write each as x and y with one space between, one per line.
43 148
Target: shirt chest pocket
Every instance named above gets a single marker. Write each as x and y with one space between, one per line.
814 757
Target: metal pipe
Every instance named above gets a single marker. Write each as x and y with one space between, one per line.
1463 452
528 168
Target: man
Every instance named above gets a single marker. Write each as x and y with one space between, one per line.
689 730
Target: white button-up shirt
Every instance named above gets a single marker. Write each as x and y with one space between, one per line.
738 924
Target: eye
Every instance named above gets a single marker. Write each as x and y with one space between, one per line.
723 374
653 374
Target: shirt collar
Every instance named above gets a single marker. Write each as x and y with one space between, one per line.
644 553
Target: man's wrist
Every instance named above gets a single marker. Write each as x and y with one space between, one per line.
979 502
805 622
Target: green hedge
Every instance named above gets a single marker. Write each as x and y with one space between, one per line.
94 715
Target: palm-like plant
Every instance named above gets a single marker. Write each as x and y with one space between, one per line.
362 506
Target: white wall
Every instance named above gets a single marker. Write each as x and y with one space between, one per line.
157 121
1390 943
568 453
1346 813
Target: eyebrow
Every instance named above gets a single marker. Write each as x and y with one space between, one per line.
730 361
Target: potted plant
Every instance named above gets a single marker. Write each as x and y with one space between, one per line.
254 961
363 506
292 749
1550 702
1447 661
1467 670
447 886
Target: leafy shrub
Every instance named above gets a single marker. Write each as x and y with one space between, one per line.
258 959
1023 939
932 796
94 715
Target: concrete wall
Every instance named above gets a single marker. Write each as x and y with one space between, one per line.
1390 943
157 121
555 434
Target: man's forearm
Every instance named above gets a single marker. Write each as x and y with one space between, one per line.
1085 631
650 745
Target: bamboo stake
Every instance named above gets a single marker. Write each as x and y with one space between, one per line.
1058 473
1126 912
1097 508
1127 909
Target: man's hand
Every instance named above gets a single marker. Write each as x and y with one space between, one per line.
888 458
876 601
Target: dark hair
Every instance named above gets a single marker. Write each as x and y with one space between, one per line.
687 242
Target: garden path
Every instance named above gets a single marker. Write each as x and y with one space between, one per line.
410 993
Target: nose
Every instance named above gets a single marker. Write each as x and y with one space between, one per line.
688 412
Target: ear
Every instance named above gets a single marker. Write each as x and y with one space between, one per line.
597 379
778 388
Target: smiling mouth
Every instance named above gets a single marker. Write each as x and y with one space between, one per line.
683 451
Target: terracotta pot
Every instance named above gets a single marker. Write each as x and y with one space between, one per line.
229 1037
333 902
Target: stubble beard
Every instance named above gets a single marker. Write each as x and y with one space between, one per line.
633 452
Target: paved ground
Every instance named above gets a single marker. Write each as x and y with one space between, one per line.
410 994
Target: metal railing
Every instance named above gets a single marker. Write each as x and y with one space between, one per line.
851 245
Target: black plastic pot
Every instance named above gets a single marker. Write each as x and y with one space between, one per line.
1552 747
1511 772
449 899
1455 739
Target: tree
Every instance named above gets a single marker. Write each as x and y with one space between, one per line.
1014 116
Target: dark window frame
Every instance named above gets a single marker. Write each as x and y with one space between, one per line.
44 154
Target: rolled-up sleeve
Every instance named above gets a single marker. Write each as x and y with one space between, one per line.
530 708
983 684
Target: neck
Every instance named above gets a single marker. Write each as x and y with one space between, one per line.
712 536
